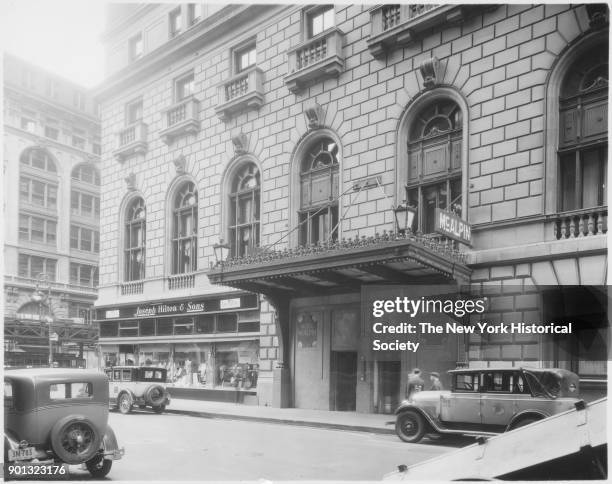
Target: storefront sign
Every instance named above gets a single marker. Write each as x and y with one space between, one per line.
177 308
451 225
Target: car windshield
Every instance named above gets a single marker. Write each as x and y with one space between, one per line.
544 383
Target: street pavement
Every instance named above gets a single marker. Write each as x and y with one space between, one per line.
181 447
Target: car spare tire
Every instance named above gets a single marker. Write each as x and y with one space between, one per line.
75 439
155 395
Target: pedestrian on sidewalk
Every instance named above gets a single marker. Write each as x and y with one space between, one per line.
415 383
436 384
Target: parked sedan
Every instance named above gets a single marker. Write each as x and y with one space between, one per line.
143 386
487 401
58 416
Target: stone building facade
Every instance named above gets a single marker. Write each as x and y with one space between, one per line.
305 129
51 217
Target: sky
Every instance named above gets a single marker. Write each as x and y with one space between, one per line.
62 36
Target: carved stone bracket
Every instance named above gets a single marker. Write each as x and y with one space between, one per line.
314 115
130 181
430 70
241 142
180 164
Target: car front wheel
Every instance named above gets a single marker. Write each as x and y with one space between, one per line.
99 467
125 404
410 426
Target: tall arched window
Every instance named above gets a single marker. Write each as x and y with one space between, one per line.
583 132
434 161
135 240
244 210
319 183
185 229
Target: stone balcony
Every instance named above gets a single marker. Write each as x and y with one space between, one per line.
130 141
401 24
180 119
318 58
581 223
240 92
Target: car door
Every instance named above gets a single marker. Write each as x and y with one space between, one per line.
462 404
499 396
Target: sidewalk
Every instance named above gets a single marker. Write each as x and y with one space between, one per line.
361 422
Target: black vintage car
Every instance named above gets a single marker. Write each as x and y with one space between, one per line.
58 416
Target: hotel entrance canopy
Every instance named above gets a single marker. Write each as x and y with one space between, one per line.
344 266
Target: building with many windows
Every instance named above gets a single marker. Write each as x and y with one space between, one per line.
52 210
321 146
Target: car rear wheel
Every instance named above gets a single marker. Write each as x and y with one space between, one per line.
75 440
159 409
124 403
410 426
99 467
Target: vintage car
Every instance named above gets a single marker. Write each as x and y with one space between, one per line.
144 386
487 401
58 416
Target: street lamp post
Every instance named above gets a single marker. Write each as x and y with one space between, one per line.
40 297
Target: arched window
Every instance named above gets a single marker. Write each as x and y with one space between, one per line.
185 229
319 183
38 158
34 311
86 173
434 161
244 210
135 240
583 132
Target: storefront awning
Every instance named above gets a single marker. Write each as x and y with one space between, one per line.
345 266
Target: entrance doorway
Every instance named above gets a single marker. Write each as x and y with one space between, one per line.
390 383
343 394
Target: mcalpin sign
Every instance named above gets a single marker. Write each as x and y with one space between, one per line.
450 225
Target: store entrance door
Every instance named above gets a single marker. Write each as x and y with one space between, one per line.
343 380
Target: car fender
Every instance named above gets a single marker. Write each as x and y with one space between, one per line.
110 447
405 407
529 413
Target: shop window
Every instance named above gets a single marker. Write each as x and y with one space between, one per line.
227 323
583 143
164 326
248 327
318 214
128 328
183 326
319 20
205 324
185 229
434 162
135 241
147 327
244 211
86 173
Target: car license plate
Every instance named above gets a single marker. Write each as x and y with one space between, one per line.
21 454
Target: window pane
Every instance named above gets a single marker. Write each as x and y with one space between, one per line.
24 227
74 273
86 204
74 202
38 159
38 193
592 180
50 268
24 265
568 182
74 237
86 240
38 229
52 196
24 190
51 232
37 266
96 241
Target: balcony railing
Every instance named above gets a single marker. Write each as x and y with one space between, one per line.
134 287
241 92
180 119
581 223
396 25
55 286
181 281
318 58
130 141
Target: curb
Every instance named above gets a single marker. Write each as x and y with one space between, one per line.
297 423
